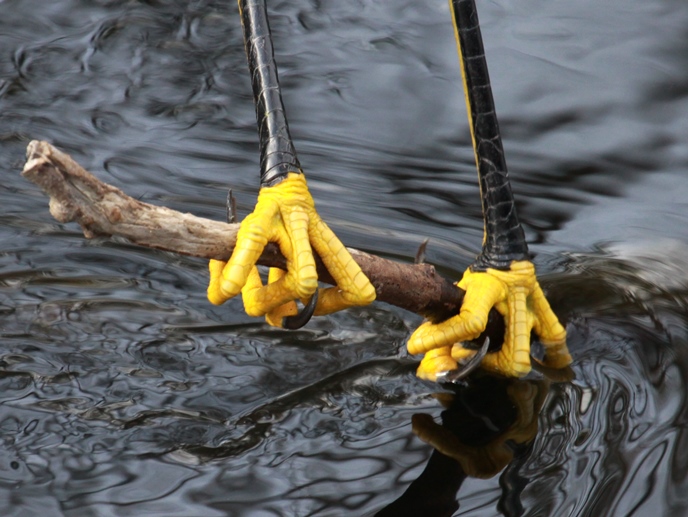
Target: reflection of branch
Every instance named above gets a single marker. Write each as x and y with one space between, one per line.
103 210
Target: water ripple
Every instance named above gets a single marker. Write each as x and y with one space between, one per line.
123 392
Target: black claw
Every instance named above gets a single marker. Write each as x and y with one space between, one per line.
303 317
231 208
454 376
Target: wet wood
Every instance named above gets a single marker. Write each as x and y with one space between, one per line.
100 209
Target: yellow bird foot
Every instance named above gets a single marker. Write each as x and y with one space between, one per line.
285 214
517 296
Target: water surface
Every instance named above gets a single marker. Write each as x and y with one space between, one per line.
124 392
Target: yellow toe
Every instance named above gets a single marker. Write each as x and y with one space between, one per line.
435 362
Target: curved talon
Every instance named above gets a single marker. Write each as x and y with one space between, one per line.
502 277
454 376
303 317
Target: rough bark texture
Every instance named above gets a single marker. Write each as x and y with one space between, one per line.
103 210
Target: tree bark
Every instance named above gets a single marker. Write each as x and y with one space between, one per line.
103 210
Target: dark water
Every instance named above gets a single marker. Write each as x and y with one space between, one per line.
123 392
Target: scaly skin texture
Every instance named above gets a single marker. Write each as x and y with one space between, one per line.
285 213
518 297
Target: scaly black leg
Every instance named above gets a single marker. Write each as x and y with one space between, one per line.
285 213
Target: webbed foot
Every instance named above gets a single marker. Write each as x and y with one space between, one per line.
285 213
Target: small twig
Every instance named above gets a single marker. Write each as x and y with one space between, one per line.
420 254
231 207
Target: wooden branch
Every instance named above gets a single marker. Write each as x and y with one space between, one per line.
103 210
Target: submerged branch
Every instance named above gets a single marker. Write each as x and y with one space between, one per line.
103 210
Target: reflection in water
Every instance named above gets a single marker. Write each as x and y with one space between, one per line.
130 400
122 392
487 424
